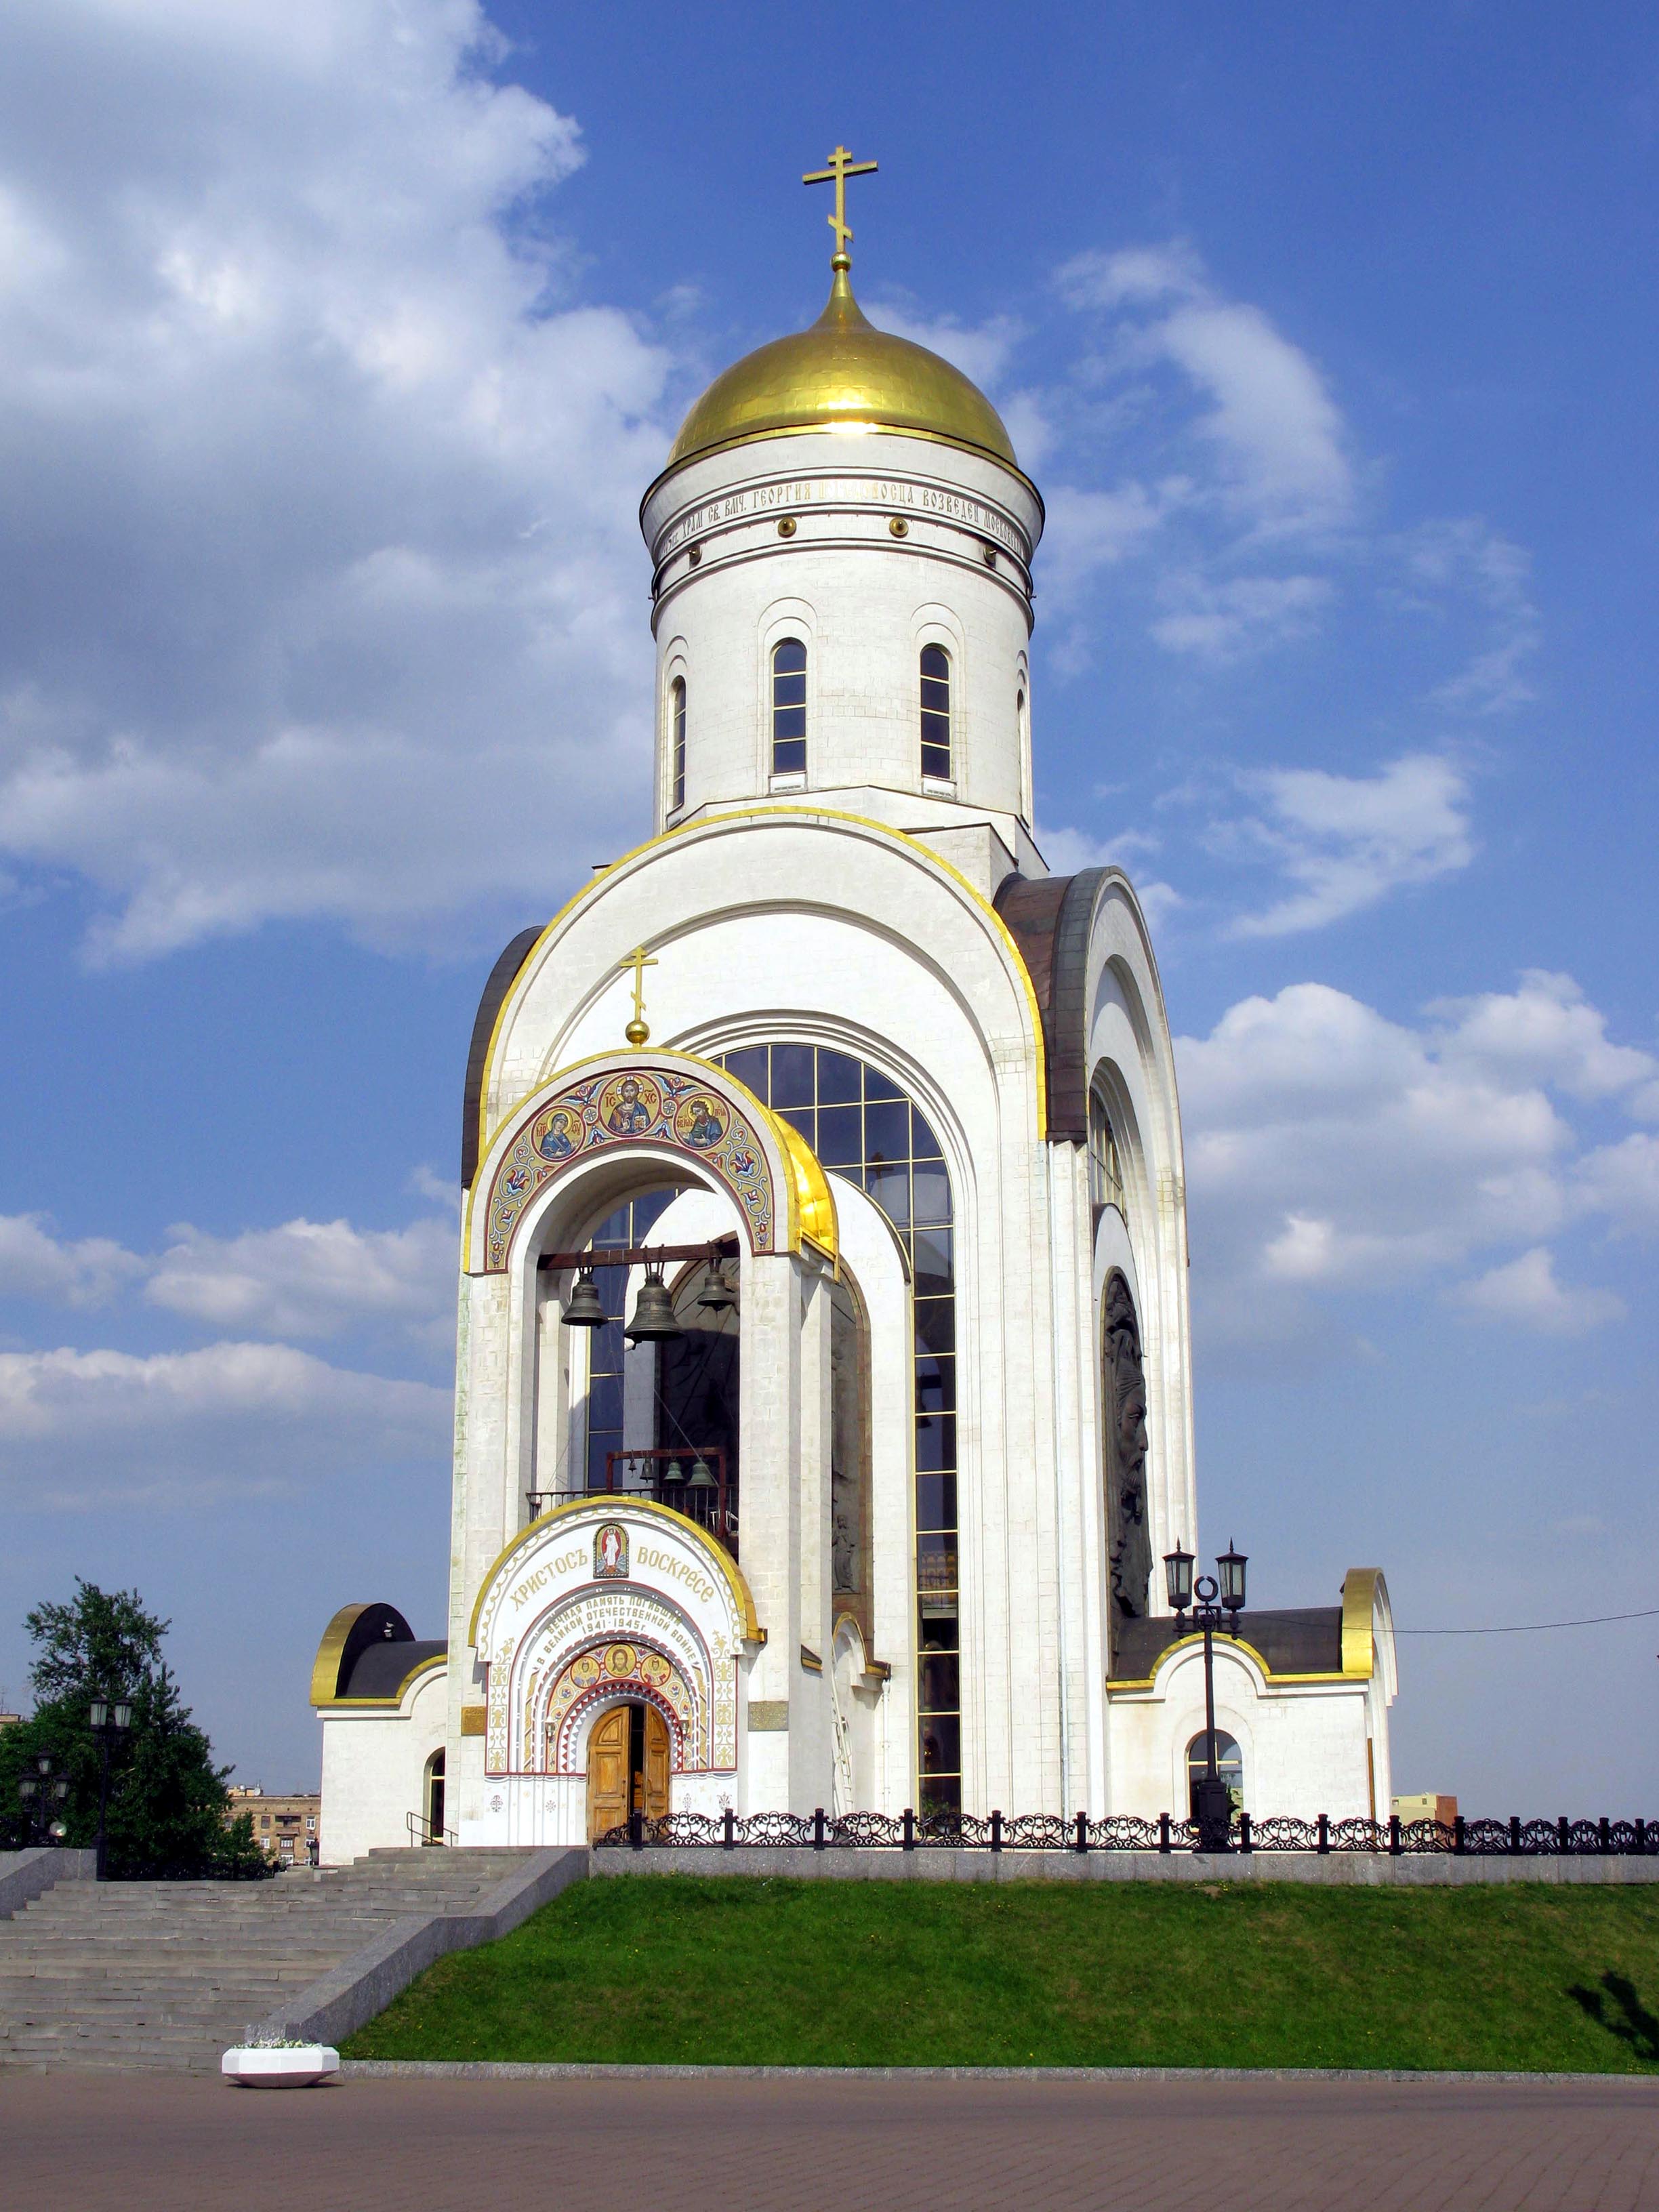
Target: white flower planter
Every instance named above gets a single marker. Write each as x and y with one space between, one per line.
300 2066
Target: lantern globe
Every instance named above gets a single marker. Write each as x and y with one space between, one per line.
1231 1568
98 1713
1178 1577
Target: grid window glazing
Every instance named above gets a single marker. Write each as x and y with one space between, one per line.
628 1224
676 708
1105 1164
935 711
862 1126
789 707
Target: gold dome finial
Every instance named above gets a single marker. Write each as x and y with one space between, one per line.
842 165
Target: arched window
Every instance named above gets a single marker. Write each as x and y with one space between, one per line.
1105 1166
677 741
1229 1765
789 707
936 712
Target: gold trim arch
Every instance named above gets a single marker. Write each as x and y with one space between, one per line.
657 1103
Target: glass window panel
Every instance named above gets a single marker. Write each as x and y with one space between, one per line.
749 1066
789 696
887 1131
936 1562
930 1200
936 762
841 1136
935 661
942 1630
802 1118
941 1745
936 1386
923 1143
936 1443
936 1324
890 1189
604 1401
935 696
788 721
878 1086
789 657
793 1075
932 1253
936 1501
789 759
840 1078
941 1691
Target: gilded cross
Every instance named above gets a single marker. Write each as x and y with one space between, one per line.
842 165
639 960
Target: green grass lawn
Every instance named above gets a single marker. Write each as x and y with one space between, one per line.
654 1968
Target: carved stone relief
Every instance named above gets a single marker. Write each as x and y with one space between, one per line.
1123 1395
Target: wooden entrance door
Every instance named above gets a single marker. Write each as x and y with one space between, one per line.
654 1795
607 1771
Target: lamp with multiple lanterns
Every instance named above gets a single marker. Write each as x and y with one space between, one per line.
1220 1600
39 1792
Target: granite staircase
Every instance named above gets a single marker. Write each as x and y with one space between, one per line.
168 1975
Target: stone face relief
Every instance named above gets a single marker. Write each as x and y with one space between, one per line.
1128 1538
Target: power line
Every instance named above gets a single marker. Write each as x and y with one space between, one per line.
1534 1627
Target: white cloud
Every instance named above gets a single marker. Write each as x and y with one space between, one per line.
319 523
1219 620
304 1278
308 1278
1278 435
1331 1150
1467 557
83 1428
36 1263
1088 531
1547 1032
1345 842
1621 1181
1525 1290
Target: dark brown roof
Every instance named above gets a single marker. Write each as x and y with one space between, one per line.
502 977
1307 1640
1050 918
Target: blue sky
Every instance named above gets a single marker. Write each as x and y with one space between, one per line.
337 343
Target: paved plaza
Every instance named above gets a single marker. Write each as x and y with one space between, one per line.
746 2145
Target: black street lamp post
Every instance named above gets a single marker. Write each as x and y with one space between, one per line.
1219 1604
39 1792
110 1722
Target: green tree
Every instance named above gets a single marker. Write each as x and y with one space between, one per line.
167 1802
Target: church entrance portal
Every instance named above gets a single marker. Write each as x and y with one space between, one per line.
628 1762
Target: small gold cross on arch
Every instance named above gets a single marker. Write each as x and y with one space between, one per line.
639 960
842 165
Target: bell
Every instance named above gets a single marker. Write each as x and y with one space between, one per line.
701 1478
717 1295
653 1320
585 1310
673 1476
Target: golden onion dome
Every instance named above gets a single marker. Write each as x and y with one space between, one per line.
842 375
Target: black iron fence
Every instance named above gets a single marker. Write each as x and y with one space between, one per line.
1053 1832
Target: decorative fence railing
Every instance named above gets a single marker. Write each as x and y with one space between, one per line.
1052 1832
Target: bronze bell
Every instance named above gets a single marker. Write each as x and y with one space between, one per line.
701 1478
585 1309
673 1476
717 1295
653 1320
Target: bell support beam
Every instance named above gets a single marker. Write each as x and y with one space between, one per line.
637 1255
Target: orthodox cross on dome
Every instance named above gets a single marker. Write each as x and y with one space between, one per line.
639 960
842 165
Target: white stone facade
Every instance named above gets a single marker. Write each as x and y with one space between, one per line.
906 924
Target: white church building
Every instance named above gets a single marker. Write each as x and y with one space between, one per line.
823 1387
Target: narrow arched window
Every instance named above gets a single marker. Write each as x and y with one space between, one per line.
1105 1161
789 707
1229 1765
677 740
936 712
